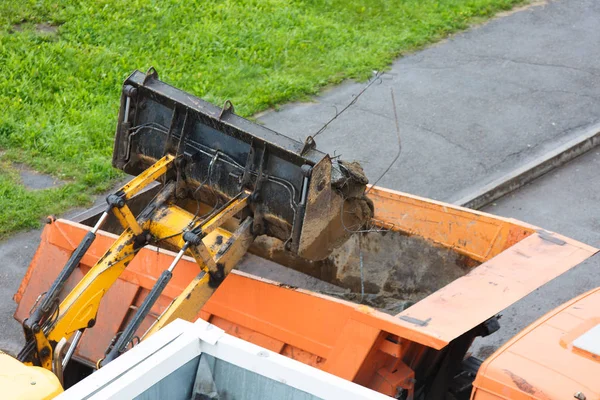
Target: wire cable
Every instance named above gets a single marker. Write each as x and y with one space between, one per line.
399 143
337 114
381 176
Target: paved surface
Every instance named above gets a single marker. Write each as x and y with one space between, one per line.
16 253
470 108
34 180
567 201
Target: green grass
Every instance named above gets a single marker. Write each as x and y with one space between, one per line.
59 92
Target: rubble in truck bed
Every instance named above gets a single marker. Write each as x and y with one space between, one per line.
398 269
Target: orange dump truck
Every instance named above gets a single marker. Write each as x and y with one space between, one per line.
390 297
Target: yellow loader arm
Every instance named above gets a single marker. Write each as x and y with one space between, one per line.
161 221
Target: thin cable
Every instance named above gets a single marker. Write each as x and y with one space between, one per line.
399 143
381 176
337 114
362 277
209 180
225 158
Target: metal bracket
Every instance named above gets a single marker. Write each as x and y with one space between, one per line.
415 321
245 178
261 178
116 200
258 226
226 110
309 144
548 237
150 74
170 133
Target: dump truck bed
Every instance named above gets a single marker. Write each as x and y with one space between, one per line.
460 266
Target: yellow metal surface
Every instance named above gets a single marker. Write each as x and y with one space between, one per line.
233 207
44 350
169 226
81 304
148 176
127 219
200 253
234 249
188 304
172 221
21 382
169 223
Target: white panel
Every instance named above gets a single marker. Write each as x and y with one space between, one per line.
141 370
589 341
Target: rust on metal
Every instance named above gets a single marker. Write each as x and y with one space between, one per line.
527 387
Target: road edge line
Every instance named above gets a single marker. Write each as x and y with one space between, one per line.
515 179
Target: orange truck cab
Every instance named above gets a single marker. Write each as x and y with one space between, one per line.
557 357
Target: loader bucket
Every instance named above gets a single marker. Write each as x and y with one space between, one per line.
298 192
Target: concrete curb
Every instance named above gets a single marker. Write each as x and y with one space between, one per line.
482 196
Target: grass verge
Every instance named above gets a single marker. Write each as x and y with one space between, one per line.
62 64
